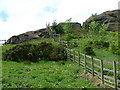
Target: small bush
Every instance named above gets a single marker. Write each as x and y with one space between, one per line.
100 44
87 49
34 53
69 36
114 48
57 28
72 44
58 53
75 44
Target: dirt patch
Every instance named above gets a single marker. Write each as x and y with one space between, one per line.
94 80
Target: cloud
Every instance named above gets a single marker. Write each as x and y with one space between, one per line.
24 15
19 16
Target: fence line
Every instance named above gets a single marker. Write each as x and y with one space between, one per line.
90 65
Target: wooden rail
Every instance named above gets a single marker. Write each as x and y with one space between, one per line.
105 79
83 60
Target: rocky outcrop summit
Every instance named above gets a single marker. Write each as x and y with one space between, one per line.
41 33
110 18
75 25
24 37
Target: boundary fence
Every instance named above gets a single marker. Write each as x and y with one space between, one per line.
106 71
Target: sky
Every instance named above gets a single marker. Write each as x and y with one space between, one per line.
19 16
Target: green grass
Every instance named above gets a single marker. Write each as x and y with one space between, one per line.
6 47
34 41
38 41
53 74
101 53
105 55
45 74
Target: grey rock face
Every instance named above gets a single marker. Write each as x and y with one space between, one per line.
24 37
110 18
75 25
41 33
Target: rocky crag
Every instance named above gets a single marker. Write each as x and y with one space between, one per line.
41 33
24 37
110 18
75 25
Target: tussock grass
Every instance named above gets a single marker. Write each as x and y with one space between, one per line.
45 74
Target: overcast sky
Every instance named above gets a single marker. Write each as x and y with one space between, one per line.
19 16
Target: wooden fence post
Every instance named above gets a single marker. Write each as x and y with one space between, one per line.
92 66
85 62
59 37
53 37
102 77
78 58
115 78
67 44
74 55
68 55
66 52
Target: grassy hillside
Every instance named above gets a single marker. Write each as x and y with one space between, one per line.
45 74
83 38
35 41
62 74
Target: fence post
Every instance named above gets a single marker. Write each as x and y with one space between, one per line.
58 37
54 37
92 66
78 58
60 42
67 54
71 57
85 62
67 50
66 44
74 55
115 79
102 78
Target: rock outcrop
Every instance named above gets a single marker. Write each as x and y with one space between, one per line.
110 18
24 37
75 25
41 33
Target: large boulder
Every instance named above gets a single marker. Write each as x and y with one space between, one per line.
110 18
41 33
75 25
24 37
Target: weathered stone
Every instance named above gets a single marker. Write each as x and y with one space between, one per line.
75 25
41 33
110 18
24 37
